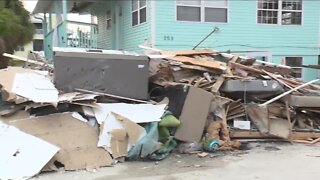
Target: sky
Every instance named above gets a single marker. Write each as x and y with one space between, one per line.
30 5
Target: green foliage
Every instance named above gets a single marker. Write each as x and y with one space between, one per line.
15 25
15 28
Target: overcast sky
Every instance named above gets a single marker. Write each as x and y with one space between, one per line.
30 5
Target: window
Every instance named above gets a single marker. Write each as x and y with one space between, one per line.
296 64
38 45
202 10
38 27
284 12
109 22
20 48
139 11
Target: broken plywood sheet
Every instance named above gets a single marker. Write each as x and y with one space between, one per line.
116 121
138 113
35 87
77 140
7 79
76 96
189 52
259 116
119 143
280 128
110 123
22 155
201 62
194 115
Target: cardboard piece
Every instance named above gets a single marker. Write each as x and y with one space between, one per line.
22 155
194 115
138 113
77 140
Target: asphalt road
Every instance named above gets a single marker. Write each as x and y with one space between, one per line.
264 161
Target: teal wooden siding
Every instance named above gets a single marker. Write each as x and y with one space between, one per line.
129 37
104 36
137 35
242 33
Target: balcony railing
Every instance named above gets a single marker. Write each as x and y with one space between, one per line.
79 35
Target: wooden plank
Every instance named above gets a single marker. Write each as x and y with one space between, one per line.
288 92
199 68
277 79
247 68
254 134
216 86
288 117
307 142
188 52
200 62
235 116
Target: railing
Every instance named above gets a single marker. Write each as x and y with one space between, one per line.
81 35
78 35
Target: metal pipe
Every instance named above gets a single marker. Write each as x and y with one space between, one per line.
213 31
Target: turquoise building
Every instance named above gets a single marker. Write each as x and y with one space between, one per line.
278 31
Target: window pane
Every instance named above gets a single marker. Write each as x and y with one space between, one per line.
215 3
292 5
38 25
268 4
189 2
216 15
185 13
108 14
294 61
143 15
134 18
38 45
142 3
291 18
267 17
134 4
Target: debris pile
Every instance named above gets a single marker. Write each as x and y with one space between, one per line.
98 109
251 99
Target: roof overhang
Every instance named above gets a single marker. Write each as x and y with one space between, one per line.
47 6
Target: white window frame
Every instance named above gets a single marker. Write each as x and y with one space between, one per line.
280 10
302 59
138 11
202 11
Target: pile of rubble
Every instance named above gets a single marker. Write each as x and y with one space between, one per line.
100 108
257 99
